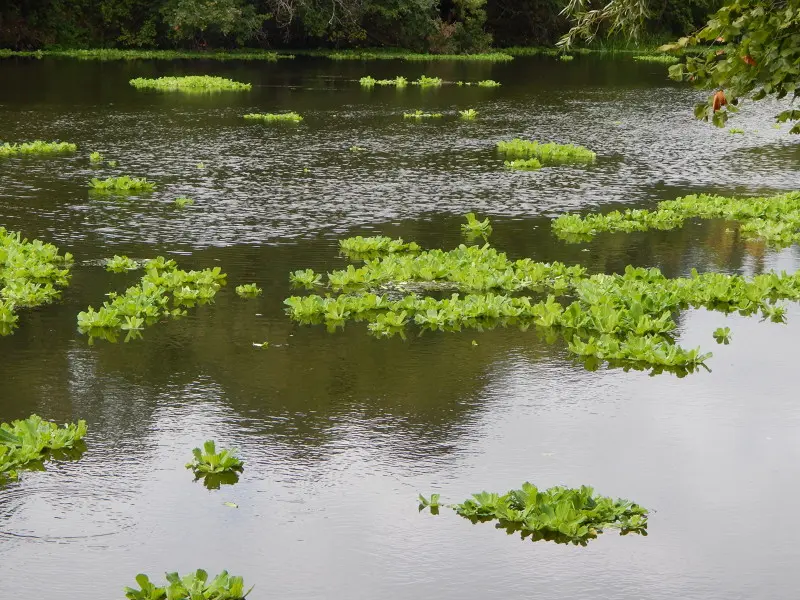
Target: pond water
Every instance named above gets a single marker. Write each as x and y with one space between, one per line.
341 431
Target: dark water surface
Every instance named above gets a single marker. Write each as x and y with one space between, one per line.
340 432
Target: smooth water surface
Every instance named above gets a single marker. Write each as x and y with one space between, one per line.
341 431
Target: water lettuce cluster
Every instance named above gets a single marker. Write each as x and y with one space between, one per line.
248 290
412 56
369 247
183 202
468 114
165 291
547 154
121 184
558 514
121 264
191 83
425 81
31 274
481 83
773 219
370 81
37 147
474 228
290 117
524 164
419 115
194 586
625 319
27 443
666 59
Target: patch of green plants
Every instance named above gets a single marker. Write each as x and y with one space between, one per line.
425 81
123 184
37 147
183 202
190 83
566 57
370 247
248 290
380 54
369 82
773 219
624 320
419 115
722 335
488 83
194 586
290 117
547 154
95 157
207 460
474 228
27 443
32 273
665 59
468 114
524 164
131 54
121 264
357 149
164 292
558 514
735 130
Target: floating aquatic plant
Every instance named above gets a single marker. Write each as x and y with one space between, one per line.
38 147
547 154
722 335
566 57
369 82
468 114
248 290
419 115
474 228
488 83
735 130
425 81
208 461
95 157
112 163
163 292
28 442
625 319
121 264
290 117
32 274
381 54
774 219
183 202
121 184
356 149
194 586
191 83
523 164
104 54
666 59
369 247
558 514
305 278
200 165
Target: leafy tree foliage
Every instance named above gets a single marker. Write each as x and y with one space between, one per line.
750 47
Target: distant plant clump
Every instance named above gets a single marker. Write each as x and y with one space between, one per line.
123 184
425 81
522 164
194 586
191 83
248 290
774 219
38 147
121 264
31 275
290 117
369 82
183 202
665 59
547 154
558 514
411 56
165 291
419 115
370 247
468 114
27 443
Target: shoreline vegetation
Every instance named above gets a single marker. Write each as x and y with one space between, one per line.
497 55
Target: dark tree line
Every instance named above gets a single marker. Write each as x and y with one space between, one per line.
422 25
